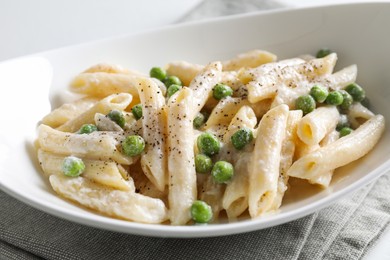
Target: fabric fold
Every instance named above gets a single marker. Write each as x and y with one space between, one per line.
370 220
10 252
329 223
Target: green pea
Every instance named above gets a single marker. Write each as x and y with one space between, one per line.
345 131
306 103
319 93
323 52
221 91
117 116
200 119
133 145
334 98
72 166
356 91
208 144
347 100
343 122
241 138
201 212
222 171
172 80
158 73
137 111
172 89
203 163
87 129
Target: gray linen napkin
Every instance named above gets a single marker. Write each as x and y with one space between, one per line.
345 230
215 8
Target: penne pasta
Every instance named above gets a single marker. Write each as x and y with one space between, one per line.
252 74
340 79
324 179
302 149
68 111
202 85
223 113
102 84
231 79
133 128
265 161
341 152
316 125
222 142
154 157
181 164
104 106
143 185
102 172
266 85
245 117
287 155
211 193
358 114
185 71
121 204
97 145
112 68
250 59
235 198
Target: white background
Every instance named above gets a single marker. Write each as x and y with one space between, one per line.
32 26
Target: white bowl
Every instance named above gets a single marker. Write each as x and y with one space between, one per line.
358 33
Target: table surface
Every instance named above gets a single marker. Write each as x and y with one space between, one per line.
33 26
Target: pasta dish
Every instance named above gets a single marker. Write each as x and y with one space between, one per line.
189 142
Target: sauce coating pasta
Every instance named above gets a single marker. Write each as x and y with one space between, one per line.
191 141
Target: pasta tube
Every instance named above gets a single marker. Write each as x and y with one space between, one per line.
340 79
121 204
202 85
104 106
185 71
181 164
316 125
358 114
250 59
266 85
154 157
223 113
287 155
102 172
111 68
341 152
265 162
102 84
211 193
97 145
235 198
68 111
